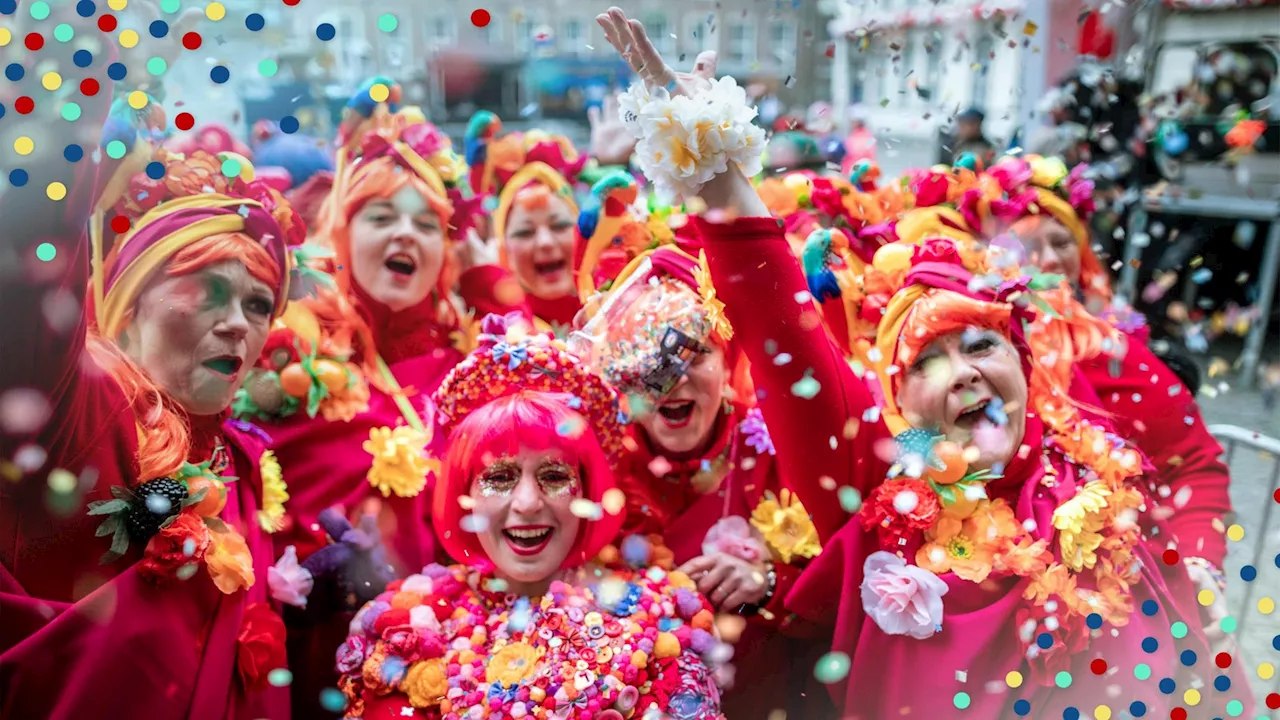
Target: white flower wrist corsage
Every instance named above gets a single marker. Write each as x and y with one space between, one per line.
684 141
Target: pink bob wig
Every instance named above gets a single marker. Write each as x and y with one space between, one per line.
523 421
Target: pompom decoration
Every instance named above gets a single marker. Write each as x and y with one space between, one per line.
676 133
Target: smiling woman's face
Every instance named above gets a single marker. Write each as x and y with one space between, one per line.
397 249
539 237
194 334
1051 247
969 386
526 501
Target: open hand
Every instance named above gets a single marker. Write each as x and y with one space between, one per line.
611 140
629 38
727 581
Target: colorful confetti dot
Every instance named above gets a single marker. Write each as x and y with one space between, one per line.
1013 679
107 23
89 87
1150 608
268 68
1062 679
1222 660
24 105
379 92
157 66
39 10
961 700
14 71
1266 671
1273 701
71 112
155 170
34 41
73 153
192 41
64 33
6 37
137 99
1098 666
1142 671
325 32
1228 624
51 81
56 191
1222 683
1235 708
1167 686
158 28
1170 557
1150 645
128 39
117 71
1022 707
1235 533
1070 714
254 22
18 178
215 11
1178 630
116 149
119 224
82 58
1102 712
231 167
184 121
86 8
170 6
1248 573
333 700
480 18
8 7
1094 621
1178 714
1137 709
46 252
388 23
289 125
24 145
831 668
117 5
1266 606
219 74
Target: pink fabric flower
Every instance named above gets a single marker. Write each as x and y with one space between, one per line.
290 583
733 536
351 654
902 599
930 189
1013 174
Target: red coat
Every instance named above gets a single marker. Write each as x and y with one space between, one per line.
81 640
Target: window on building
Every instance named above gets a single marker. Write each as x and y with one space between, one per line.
524 35
442 32
782 40
907 77
699 33
660 33
933 68
982 75
740 46
857 80
493 31
575 37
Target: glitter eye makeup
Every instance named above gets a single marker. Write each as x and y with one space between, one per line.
557 478
500 478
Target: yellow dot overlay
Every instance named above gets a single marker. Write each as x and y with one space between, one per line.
1266 671
215 11
117 5
1235 533
128 38
23 145
1266 606
1013 679
137 99
1191 697
1205 597
56 191
1102 712
379 92
51 81
5 36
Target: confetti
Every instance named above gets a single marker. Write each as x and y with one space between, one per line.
831 668
215 11
480 18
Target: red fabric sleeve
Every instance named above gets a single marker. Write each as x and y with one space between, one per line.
774 614
818 436
1155 410
492 289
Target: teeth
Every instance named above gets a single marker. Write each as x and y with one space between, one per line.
528 534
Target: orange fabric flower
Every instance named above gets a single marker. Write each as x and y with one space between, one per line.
780 200
183 542
228 559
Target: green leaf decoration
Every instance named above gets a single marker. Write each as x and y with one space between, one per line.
315 395
1044 306
119 546
197 497
108 526
1045 281
108 507
242 407
948 494
122 493
215 524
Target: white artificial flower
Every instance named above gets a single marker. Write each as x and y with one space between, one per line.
290 583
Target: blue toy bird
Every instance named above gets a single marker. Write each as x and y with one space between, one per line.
816 260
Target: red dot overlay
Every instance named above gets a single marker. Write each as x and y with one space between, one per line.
119 224
480 18
89 87
1098 666
107 23
1223 660
1170 557
1276 496
34 41
1273 701
1178 714
184 121
291 3
192 41
24 105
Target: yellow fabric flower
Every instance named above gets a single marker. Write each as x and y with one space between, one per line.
713 306
786 527
400 460
426 683
228 559
512 664
274 494
1079 522
1047 172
